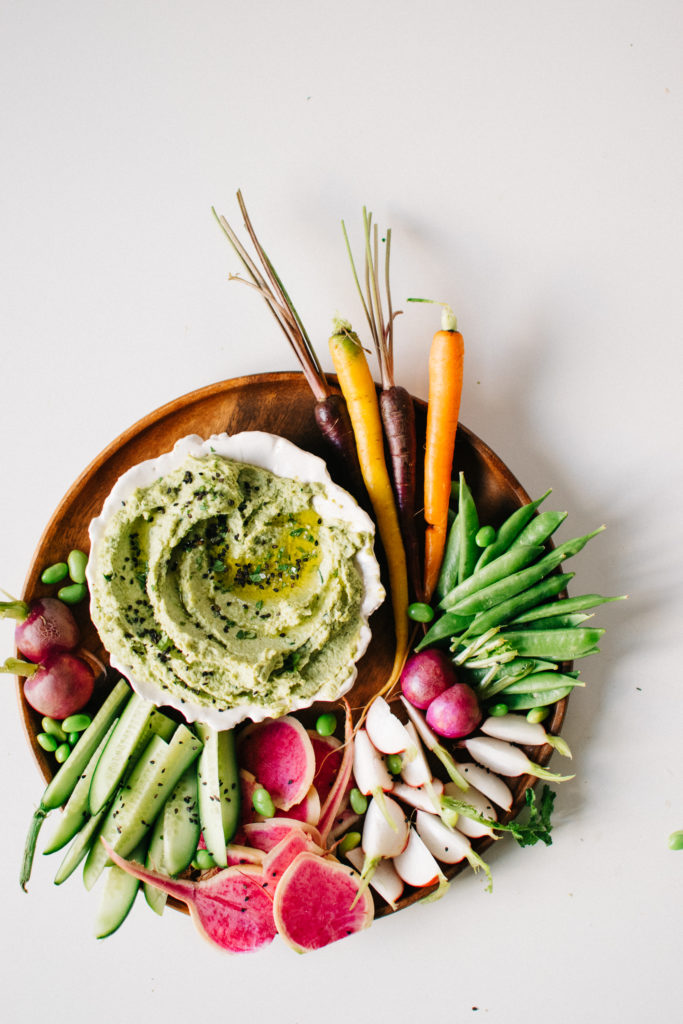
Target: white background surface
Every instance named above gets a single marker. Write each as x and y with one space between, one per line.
529 158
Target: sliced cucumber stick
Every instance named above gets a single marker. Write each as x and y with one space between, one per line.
219 790
119 753
80 847
141 798
156 899
181 827
118 896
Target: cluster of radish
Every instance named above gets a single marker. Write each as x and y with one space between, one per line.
411 826
58 682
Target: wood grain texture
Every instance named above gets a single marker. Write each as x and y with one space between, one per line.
279 403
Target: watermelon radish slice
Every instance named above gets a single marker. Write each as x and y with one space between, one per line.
264 835
308 810
337 795
328 760
237 854
344 821
277 860
313 903
279 753
231 909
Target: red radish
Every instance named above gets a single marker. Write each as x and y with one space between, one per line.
317 901
387 732
447 845
455 712
487 783
307 810
426 675
416 865
45 627
468 826
279 753
264 835
431 742
230 909
385 879
278 859
59 687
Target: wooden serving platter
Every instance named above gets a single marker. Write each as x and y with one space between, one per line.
279 403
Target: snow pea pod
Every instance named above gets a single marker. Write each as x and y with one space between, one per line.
448 577
512 561
508 586
551 622
509 530
540 528
540 683
567 605
555 644
506 610
526 701
469 526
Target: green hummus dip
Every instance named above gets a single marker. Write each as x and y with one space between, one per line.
221 585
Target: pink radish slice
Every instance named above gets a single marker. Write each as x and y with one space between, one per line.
308 810
279 754
277 860
230 909
248 785
264 835
313 903
237 854
385 880
328 759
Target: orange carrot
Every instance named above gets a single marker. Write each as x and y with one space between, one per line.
445 388
359 391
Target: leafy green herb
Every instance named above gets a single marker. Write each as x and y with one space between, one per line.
218 565
536 828
245 634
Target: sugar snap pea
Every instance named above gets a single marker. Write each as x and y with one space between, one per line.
551 622
468 520
568 605
555 644
526 701
448 577
540 528
446 626
541 683
499 569
506 610
509 530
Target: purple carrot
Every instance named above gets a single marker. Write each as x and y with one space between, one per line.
331 413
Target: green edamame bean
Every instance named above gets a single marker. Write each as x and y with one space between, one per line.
54 573
350 841
53 728
676 840
62 752
485 536
47 742
262 803
359 802
326 724
204 860
394 763
73 738
73 593
498 710
76 723
77 562
536 715
420 612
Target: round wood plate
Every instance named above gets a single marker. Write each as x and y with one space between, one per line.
279 403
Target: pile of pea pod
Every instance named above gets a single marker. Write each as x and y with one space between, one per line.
498 606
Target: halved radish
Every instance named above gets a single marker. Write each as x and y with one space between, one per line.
318 901
279 753
446 844
387 732
385 881
487 783
420 796
416 865
468 826
369 770
229 909
415 770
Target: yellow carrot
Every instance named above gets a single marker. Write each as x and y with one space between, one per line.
445 387
359 391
